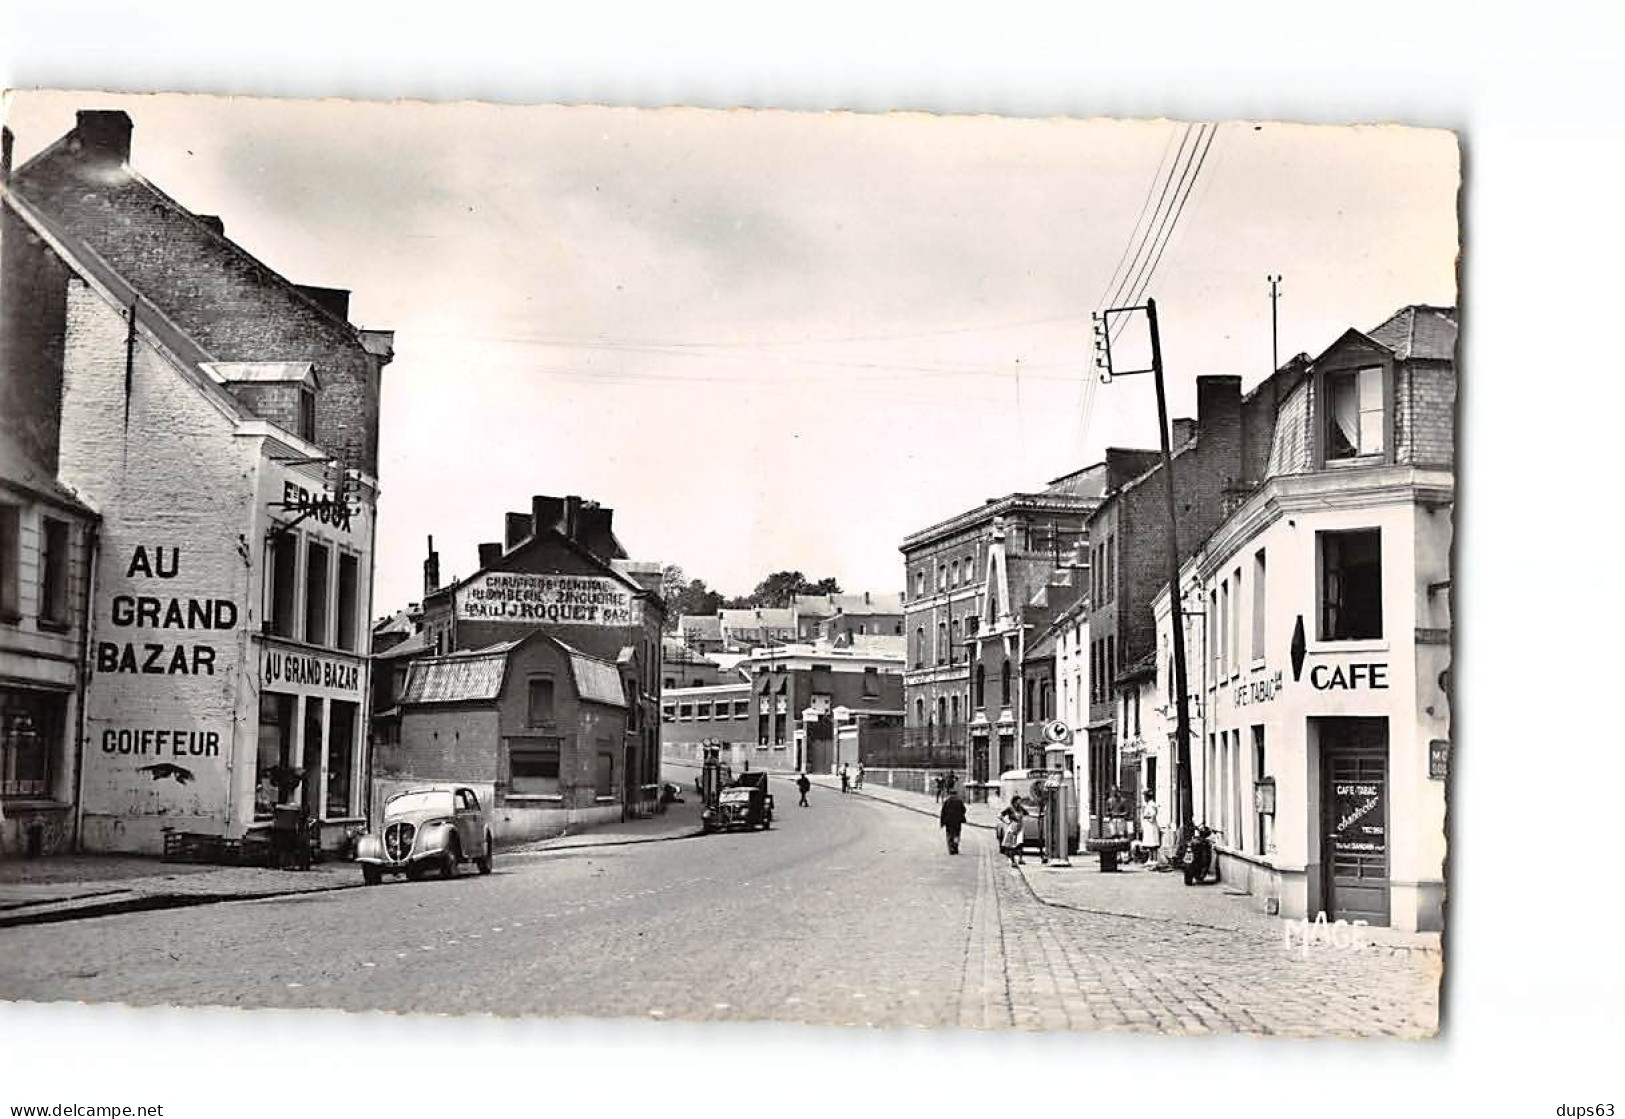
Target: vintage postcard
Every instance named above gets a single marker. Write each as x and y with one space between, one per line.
837 569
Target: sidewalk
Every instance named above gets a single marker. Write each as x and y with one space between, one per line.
1141 893
74 887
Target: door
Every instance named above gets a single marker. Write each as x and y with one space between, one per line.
1354 814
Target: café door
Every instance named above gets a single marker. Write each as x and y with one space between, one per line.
1354 819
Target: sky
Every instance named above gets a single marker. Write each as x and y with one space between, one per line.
779 340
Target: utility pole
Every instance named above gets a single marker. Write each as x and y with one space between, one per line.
1182 715
1275 331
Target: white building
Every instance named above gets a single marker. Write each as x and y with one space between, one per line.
1320 643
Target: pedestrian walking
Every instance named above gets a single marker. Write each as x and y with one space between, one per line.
952 819
937 788
858 783
803 784
846 779
1012 834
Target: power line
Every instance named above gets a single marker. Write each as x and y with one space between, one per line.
1213 131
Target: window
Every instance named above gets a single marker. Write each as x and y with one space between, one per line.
53 607
539 701
685 712
919 584
341 736
942 710
307 414
953 709
349 578
316 560
1029 712
1111 668
10 561
1259 585
533 768
1224 629
778 728
953 574
30 732
942 642
1235 622
1109 591
942 576
1354 413
604 786
919 712
919 647
1211 630
1004 684
668 712
741 708
980 697
702 711
1260 771
1350 585
670 682
280 594
871 683
275 749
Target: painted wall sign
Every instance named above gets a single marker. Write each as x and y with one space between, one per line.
583 600
1262 690
291 669
1349 677
160 612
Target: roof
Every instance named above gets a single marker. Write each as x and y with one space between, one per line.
701 625
1419 333
23 472
262 372
461 677
769 617
858 605
417 643
1141 669
596 680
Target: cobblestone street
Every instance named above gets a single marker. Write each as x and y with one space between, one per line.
847 913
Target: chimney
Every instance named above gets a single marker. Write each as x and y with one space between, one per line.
1218 404
866 603
546 513
335 301
593 523
490 553
515 527
572 517
6 140
213 222
103 135
1184 430
431 571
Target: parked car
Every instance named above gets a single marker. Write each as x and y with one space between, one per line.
432 828
744 804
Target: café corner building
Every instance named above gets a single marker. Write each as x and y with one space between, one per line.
1318 631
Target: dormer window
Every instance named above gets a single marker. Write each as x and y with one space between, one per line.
1354 414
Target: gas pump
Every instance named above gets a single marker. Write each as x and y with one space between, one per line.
1060 796
714 775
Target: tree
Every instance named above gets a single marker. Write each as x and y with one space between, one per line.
671 589
825 586
780 588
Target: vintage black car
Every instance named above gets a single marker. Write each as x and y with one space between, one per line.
744 804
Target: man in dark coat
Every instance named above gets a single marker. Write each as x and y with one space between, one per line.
802 784
952 819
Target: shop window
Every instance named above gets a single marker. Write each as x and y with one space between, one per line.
273 775
1350 585
10 561
316 591
349 586
1354 414
604 786
871 683
341 736
281 593
30 732
1259 585
539 701
533 768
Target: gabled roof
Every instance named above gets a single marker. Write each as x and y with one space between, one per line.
413 645
596 681
766 617
857 605
1419 333
460 677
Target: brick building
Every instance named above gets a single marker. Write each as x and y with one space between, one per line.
797 690
1320 643
47 549
537 727
1216 460
719 714
968 581
841 617
559 569
205 408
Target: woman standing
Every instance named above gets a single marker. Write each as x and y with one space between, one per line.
1150 827
1012 833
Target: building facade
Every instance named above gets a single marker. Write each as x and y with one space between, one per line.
1325 649
47 552
798 690
560 570
222 422
968 580
721 715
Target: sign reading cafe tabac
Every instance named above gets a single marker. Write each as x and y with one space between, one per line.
582 600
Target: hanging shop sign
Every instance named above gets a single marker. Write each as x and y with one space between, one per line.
529 599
